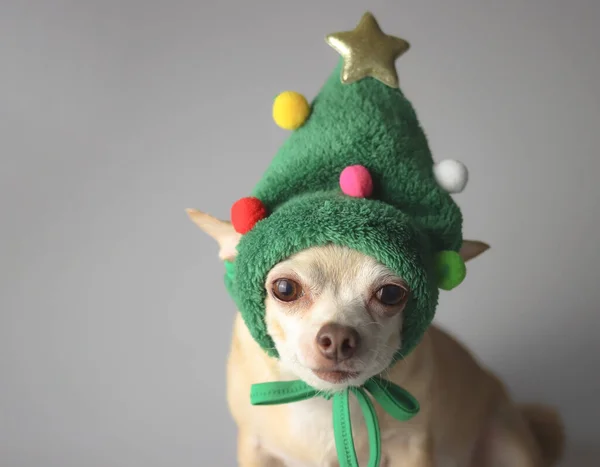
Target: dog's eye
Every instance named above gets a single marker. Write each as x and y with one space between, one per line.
392 295
286 290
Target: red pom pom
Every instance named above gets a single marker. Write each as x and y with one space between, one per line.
246 212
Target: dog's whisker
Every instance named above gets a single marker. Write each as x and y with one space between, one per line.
370 323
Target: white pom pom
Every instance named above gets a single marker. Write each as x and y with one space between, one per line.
451 175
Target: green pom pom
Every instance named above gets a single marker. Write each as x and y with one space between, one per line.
229 276
450 269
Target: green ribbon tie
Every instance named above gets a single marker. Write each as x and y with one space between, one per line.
395 401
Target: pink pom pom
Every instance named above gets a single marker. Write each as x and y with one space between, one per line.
356 181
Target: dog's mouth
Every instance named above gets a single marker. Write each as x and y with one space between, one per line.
335 376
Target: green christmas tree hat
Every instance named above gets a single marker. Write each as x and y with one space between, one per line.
356 171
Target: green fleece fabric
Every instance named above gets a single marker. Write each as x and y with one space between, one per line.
404 224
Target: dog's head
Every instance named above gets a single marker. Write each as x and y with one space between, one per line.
334 314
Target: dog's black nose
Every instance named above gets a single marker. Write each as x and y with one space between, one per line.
337 342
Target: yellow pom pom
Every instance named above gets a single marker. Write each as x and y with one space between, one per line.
290 110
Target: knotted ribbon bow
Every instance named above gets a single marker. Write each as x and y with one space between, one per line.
395 401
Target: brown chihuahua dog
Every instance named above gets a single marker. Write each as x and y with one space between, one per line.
333 337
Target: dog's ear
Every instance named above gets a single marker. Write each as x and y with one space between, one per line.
222 231
471 249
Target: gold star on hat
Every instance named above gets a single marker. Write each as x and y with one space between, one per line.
368 51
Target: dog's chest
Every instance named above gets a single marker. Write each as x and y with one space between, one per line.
310 426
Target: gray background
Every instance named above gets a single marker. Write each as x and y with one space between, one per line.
115 116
